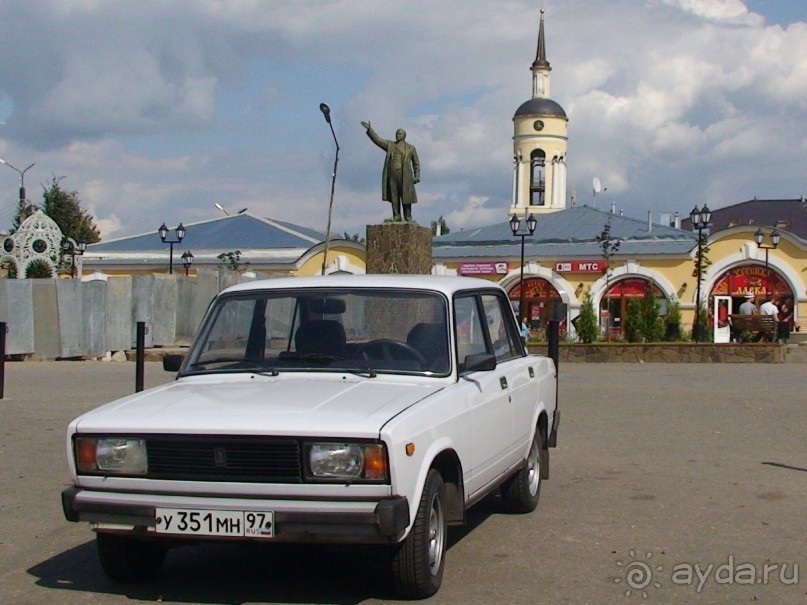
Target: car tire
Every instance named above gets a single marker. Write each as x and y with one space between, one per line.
522 491
129 560
418 561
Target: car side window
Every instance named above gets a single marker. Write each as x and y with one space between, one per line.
501 332
470 337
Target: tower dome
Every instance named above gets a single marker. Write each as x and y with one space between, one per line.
540 107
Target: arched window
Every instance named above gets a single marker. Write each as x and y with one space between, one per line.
762 282
537 177
614 305
540 296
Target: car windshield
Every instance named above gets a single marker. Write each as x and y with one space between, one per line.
367 331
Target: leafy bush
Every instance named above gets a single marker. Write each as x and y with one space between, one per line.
652 324
632 326
586 324
672 322
38 269
703 322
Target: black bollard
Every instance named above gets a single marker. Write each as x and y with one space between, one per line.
553 351
553 341
140 356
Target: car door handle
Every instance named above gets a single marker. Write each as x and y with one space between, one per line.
503 382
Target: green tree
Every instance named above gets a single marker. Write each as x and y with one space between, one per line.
232 260
64 207
632 326
441 223
700 268
585 324
24 209
356 237
652 324
38 269
609 247
703 322
673 322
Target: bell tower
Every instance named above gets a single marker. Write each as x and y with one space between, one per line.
540 140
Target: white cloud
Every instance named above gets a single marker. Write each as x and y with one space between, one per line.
155 110
731 11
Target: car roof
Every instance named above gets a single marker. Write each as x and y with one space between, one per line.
438 283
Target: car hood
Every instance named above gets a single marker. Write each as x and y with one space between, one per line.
326 405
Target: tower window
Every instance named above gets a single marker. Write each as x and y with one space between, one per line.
537 178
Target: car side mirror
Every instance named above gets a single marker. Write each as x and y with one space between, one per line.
172 363
480 362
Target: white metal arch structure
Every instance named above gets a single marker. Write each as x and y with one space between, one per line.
38 239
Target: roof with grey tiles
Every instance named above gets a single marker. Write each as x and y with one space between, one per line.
238 231
567 233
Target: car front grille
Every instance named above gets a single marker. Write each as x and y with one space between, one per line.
244 459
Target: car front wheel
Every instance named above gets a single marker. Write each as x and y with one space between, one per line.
419 560
522 491
128 560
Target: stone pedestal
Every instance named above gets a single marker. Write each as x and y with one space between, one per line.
399 248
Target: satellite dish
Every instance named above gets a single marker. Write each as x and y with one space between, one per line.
597 185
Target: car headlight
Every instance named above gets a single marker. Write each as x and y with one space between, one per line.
118 455
347 461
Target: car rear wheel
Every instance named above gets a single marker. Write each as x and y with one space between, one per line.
419 560
129 560
522 491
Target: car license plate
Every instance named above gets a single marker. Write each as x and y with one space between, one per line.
223 523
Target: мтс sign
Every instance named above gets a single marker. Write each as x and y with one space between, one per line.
580 266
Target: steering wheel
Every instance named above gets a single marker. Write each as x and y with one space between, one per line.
388 349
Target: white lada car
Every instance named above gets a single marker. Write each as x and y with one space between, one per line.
368 409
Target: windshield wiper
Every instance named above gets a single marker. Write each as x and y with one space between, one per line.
202 365
318 357
363 371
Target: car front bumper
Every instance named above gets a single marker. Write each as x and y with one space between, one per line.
301 521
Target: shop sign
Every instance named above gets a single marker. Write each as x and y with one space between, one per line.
534 287
633 288
580 266
483 268
751 279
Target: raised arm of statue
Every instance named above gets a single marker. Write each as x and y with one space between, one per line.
384 144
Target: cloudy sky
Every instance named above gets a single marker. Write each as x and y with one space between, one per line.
156 110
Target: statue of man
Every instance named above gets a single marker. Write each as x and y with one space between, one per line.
401 172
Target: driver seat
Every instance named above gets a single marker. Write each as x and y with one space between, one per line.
321 336
430 340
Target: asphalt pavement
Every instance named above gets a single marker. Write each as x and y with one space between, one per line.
671 483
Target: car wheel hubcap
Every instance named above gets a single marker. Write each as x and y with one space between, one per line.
436 535
534 469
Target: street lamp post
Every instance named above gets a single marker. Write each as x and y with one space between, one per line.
759 238
187 261
326 111
700 221
180 233
515 225
74 249
22 176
